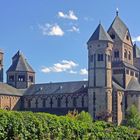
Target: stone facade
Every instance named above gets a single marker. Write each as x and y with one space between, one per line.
10 102
113 80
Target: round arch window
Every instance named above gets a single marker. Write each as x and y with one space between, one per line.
6 108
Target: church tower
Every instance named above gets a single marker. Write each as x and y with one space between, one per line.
20 74
100 74
123 46
1 66
122 53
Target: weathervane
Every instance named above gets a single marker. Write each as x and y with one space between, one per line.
117 11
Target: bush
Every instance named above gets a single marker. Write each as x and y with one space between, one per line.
133 117
43 126
85 117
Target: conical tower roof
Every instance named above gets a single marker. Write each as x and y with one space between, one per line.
100 34
19 63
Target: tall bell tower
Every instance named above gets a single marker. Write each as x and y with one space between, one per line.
1 66
100 73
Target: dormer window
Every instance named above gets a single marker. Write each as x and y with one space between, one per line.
112 36
127 36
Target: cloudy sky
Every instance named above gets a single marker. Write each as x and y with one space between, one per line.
52 34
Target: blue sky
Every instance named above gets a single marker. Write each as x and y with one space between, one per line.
52 34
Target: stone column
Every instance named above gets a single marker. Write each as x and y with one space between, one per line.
90 102
109 104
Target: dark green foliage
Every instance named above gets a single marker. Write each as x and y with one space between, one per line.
133 117
42 126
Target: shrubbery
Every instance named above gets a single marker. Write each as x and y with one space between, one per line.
133 117
43 126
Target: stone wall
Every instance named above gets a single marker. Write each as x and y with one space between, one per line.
10 102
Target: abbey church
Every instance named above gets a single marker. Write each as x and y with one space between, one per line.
113 80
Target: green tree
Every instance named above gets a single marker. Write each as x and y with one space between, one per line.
133 117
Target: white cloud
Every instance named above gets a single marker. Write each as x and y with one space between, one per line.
45 69
136 39
74 29
63 66
51 30
70 15
83 72
72 72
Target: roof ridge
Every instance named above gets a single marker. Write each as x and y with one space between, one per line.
62 82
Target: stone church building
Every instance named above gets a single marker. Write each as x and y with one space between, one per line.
113 80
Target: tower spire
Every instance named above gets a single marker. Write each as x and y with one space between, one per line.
117 11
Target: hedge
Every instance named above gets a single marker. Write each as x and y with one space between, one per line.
43 126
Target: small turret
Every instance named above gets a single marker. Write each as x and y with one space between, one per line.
20 74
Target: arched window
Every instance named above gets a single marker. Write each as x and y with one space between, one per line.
66 101
100 57
129 55
11 78
21 78
125 53
116 54
29 103
44 102
36 102
82 101
59 102
51 102
6 108
74 102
